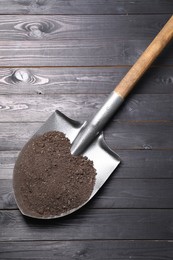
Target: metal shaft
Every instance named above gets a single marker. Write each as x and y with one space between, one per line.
91 129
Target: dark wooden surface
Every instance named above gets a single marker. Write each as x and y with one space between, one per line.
69 55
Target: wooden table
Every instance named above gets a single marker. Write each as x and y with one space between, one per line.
69 55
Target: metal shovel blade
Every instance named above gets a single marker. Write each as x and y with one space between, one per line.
104 159
84 137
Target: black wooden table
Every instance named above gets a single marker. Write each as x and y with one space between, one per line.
69 55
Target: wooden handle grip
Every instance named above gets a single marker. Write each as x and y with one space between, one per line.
146 59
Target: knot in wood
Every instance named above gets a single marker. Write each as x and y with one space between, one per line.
35 31
21 75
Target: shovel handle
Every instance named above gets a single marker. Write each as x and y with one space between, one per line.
145 60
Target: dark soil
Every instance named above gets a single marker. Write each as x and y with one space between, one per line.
48 180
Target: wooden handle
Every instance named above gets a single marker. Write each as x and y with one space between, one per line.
146 59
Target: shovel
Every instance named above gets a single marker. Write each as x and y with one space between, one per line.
86 138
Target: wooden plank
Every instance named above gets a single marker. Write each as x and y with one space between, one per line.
119 135
140 135
7 200
90 224
7 159
93 52
158 80
16 108
95 249
145 164
116 193
85 7
140 164
70 27
17 134
127 193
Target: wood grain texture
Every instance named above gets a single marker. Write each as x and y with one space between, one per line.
116 193
119 135
83 27
17 108
81 80
90 52
140 135
90 224
7 160
85 7
140 164
96 249
70 55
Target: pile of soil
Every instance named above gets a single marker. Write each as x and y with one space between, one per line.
48 180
